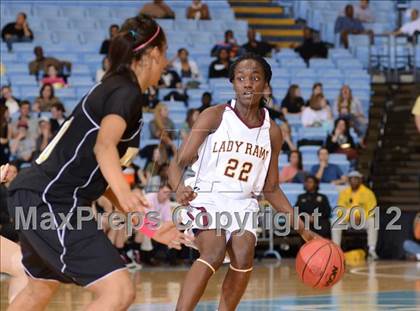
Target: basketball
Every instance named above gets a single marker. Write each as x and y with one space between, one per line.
320 263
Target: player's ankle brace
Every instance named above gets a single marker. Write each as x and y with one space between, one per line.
207 264
240 270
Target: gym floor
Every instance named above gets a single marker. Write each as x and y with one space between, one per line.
382 285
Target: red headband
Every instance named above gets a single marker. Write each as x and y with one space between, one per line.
148 41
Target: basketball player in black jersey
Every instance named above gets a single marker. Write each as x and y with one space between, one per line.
80 164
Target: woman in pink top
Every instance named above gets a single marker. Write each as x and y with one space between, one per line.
53 78
292 171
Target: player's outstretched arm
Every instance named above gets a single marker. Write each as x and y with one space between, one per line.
111 130
272 191
208 121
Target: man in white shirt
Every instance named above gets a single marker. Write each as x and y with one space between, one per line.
411 27
317 113
363 13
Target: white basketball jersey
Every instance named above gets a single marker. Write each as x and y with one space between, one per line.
234 160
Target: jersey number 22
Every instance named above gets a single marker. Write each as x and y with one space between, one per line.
232 170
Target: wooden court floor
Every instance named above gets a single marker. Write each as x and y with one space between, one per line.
382 285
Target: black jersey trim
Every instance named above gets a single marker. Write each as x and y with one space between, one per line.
135 134
71 211
84 102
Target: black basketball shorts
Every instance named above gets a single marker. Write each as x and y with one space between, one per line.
79 255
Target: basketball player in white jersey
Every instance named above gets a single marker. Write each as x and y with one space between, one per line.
238 148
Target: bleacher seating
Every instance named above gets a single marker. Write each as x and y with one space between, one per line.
73 31
386 53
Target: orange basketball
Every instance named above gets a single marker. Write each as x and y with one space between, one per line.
320 263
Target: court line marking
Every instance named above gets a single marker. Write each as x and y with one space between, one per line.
360 271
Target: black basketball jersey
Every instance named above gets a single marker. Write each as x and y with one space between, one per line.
67 169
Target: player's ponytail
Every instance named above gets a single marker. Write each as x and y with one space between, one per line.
136 36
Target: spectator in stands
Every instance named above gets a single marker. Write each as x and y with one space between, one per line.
5 134
327 172
26 117
318 114
22 146
185 67
230 43
161 178
46 97
53 78
363 13
317 88
57 117
158 9
192 116
151 98
113 30
2 69
288 144
219 68
312 201
159 202
310 48
350 108
412 247
36 108
346 25
206 99
163 128
293 102
293 172
9 100
261 48
18 31
269 99
363 200
101 71
154 163
40 64
340 140
416 112
198 10
412 27
170 79
45 136
272 105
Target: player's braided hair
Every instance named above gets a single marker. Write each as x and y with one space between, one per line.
264 64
